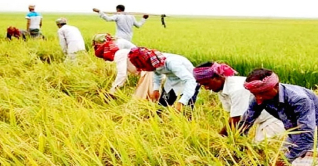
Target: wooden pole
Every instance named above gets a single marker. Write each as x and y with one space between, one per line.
136 13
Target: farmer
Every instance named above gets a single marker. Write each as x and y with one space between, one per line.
124 22
15 32
117 49
178 72
295 106
70 39
234 97
34 22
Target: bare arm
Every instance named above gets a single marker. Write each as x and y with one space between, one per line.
28 25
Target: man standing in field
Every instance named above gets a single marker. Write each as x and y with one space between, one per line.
295 106
234 97
124 22
34 22
117 49
70 39
178 72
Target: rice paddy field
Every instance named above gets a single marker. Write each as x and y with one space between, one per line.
56 114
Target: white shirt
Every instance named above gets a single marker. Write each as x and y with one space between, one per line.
124 44
124 23
35 20
123 66
179 77
71 39
235 99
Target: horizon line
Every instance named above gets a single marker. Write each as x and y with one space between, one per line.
178 15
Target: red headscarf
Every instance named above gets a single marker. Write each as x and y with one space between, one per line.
109 37
264 85
200 73
107 49
145 59
13 31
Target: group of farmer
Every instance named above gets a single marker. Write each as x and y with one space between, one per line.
259 98
34 24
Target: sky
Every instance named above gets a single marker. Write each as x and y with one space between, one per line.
253 8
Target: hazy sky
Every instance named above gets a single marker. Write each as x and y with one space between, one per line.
267 8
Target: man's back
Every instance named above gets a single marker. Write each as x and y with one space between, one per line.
177 68
35 20
292 95
124 44
173 60
124 24
73 37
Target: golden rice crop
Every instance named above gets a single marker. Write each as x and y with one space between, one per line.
55 113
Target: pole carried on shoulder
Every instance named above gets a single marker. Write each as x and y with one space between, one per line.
139 13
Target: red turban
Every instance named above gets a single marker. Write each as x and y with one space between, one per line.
146 60
200 73
264 85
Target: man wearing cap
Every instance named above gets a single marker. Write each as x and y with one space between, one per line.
116 50
178 72
295 106
234 97
70 39
124 22
34 22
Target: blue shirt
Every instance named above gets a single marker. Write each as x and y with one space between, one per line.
178 71
295 106
35 20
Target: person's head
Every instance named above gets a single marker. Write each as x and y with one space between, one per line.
212 75
263 84
102 38
146 60
120 8
13 31
61 22
31 8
